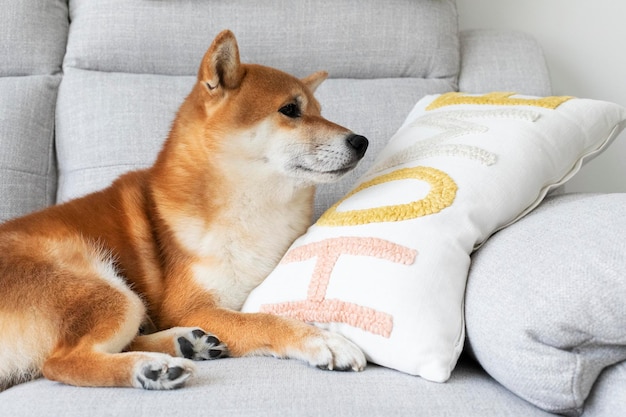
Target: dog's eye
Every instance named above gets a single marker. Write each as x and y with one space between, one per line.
290 110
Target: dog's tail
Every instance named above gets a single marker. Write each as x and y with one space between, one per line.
17 377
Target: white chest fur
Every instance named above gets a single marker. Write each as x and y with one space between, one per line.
241 246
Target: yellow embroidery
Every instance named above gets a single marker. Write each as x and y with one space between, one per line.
497 99
441 195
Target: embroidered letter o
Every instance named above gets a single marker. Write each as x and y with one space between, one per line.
441 195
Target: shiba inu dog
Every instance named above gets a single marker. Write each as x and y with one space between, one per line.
180 244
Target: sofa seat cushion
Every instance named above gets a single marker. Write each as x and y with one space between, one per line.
252 387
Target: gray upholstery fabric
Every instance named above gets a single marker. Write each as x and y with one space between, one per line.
110 123
412 38
608 397
27 169
34 34
545 301
270 387
496 60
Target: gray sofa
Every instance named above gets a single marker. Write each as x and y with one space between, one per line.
88 90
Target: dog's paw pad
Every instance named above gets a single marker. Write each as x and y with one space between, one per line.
163 372
199 345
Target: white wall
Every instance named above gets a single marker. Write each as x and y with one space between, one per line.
584 42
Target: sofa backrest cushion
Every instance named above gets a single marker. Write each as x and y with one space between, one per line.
129 65
348 38
34 35
32 48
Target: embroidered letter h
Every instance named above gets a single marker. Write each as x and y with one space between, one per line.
317 308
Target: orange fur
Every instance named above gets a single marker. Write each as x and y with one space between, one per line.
181 243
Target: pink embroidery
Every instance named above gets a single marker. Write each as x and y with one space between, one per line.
316 308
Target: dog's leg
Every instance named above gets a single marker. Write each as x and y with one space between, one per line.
98 316
248 334
88 367
92 358
185 342
88 352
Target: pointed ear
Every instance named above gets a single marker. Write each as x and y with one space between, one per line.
314 80
220 66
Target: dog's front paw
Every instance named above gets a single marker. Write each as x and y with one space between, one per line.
199 345
334 352
162 372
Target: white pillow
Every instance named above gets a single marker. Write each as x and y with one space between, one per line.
387 265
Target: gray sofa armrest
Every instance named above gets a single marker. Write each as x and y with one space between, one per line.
496 60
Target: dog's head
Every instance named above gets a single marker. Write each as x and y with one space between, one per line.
269 119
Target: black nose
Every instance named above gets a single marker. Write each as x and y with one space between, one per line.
358 143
